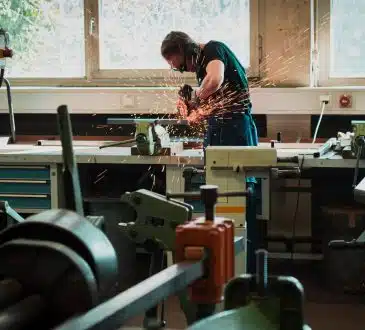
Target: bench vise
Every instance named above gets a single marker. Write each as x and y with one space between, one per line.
151 138
157 218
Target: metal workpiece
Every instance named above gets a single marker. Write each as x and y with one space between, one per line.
115 312
70 175
134 121
117 144
157 218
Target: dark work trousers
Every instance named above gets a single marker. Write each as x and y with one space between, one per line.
238 129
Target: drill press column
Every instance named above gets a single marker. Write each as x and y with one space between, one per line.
228 167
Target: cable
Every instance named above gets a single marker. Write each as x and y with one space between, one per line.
323 106
295 216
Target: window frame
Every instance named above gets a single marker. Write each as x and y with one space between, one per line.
95 77
323 30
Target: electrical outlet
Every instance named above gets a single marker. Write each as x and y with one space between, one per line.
325 98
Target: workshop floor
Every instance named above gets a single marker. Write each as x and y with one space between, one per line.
323 310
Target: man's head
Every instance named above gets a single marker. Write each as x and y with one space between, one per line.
180 51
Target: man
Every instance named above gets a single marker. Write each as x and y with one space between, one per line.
222 96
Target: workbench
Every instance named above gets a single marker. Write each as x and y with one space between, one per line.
29 173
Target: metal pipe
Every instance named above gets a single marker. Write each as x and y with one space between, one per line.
73 197
115 312
133 121
11 112
115 144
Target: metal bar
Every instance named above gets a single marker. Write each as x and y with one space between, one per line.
116 144
198 194
116 311
11 112
73 197
133 121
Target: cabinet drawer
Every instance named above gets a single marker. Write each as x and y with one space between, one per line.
25 172
24 201
8 186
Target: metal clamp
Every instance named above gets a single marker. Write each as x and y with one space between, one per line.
157 218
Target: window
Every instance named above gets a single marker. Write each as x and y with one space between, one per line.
47 38
341 42
108 42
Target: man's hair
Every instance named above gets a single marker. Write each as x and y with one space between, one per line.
175 43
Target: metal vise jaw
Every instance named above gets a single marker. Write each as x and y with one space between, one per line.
157 218
148 142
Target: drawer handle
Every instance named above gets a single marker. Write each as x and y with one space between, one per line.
23 181
22 196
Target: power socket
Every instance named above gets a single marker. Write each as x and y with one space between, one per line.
325 99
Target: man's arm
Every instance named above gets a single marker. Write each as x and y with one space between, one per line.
213 79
